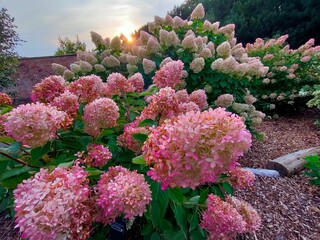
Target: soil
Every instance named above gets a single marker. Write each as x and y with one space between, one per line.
289 207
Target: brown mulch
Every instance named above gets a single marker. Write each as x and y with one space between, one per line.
289 207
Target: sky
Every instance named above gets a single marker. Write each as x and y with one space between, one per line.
41 22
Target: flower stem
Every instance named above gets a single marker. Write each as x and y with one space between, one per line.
17 160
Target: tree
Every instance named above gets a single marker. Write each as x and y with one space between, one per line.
9 39
67 46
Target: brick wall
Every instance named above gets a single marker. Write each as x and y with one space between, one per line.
32 71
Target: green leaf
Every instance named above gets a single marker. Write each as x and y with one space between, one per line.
140 137
155 213
155 236
176 195
228 188
179 235
166 225
196 235
194 222
7 140
66 164
78 125
93 171
147 122
203 196
139 160
181 217
37 153
13 148
106 132
14 181
170 234
14 172
146 230
193 201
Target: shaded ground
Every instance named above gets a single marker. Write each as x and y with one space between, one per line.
289 207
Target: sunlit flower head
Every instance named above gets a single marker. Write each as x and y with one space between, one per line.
120 191
49 88
87 88
54 205
99 114
34 124
169 75
186 151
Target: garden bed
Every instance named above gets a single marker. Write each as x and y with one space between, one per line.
289 207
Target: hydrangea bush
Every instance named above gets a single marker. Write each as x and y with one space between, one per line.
93 148
208 53
292 75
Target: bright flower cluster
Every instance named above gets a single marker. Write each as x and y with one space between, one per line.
54 205
194 148
99 114
225 219
87 88
117 84
34 124
168 103
67 102
5 99
120 191
97 155
240 178
126 139
48 89
169 75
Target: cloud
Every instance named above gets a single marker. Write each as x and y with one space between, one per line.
41 22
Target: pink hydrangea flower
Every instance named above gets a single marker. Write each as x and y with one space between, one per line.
240 178
34 124
48 89
188 106
249 214
54 205
117 84
98 155
305 59
2 121
127 140
137 82
169 75
163 104
67 102
99 114
120 191
200 98
5 99
194 148
221 220
87 88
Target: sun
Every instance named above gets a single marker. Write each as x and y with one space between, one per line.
130 39
127 28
